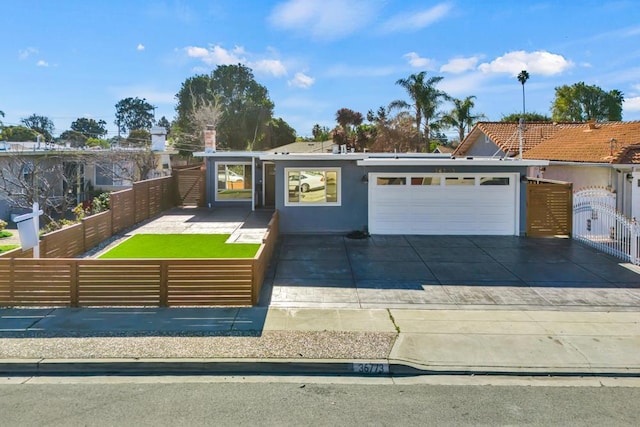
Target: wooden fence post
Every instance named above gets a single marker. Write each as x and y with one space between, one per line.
74 291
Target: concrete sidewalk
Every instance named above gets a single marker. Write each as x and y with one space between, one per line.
318 341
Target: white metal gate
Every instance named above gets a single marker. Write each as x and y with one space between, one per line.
600 225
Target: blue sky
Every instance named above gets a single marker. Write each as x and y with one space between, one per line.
70 59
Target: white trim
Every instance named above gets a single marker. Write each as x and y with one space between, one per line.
485 161
338 172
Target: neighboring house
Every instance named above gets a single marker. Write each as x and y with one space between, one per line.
443 149
502 139
71 171
304 147
605 155
384 193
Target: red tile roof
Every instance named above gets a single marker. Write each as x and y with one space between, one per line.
505 135
611 142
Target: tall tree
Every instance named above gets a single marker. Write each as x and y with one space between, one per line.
244 105
522 78
1 115
460 117
580 102
163 122
425 98
277 133
74 138
348 121
134 113
41 124
89 127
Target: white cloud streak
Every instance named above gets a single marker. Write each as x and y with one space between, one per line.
631 104
25 53
140 46
324 19
413 21
459 65
217 55
42 63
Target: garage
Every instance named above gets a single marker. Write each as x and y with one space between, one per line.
444 203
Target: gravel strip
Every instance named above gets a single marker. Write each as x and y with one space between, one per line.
270 344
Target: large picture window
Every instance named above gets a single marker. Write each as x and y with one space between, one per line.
233 181
309 187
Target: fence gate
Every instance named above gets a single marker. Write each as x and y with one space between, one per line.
549 208
191 184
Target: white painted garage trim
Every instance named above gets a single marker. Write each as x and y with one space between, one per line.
457 204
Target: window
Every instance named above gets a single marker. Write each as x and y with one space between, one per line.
460 180
425 180
113 174
312 186
391 180
234 181
492 180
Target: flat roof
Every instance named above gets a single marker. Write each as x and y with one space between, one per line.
460 161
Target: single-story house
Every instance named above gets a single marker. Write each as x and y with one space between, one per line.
504 139
603 155
383 193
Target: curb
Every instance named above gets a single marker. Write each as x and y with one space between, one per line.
358 368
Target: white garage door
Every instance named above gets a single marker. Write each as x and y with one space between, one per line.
462 204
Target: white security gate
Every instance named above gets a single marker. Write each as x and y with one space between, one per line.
456 204
600 225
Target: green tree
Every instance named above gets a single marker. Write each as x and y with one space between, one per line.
277 133
163 122
460 117
348 120
41 124
134 113
73 138
1 115
139 138
89 127
321 133
244 105
528 117
522 78
18 134
580 102
98 143
425 98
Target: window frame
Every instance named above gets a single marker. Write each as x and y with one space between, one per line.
217 191
338 172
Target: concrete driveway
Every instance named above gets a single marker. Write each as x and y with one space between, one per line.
447 272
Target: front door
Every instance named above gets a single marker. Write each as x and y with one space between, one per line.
269 185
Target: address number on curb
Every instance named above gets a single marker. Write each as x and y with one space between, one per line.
371 368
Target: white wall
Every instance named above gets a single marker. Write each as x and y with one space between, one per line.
580 176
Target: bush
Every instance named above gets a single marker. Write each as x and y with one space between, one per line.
3 224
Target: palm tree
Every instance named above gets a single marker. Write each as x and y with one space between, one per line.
426 99
460 116
522 78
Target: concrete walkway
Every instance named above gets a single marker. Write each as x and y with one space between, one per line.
329 341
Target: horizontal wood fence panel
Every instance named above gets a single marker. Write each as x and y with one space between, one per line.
97 228
36 282
141 196
65 243
121 205
549 209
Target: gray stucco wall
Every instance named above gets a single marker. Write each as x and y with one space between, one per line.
480 148
349 216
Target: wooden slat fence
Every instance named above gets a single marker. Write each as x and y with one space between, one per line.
191 186
136 282
127 207
549 208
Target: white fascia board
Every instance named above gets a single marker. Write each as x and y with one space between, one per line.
314 156
599 165
452 162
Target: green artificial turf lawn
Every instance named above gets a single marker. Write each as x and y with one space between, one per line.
181 246
7 248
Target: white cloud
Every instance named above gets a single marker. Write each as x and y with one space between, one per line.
459 65
301 80
412 21
25 53
416 61
140 46
42 63
217 55
631 104
269 66
324 19
539 62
